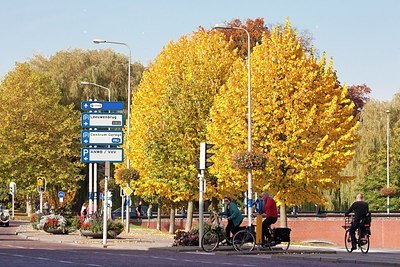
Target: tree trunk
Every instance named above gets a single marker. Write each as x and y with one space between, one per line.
159 214
189 217
283 215
172 219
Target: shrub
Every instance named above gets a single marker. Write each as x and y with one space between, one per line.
388 191
183 238
53 221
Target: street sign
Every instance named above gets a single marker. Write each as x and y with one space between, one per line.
90 154
106 120
97 105
61 194
128 191
114 138
13 188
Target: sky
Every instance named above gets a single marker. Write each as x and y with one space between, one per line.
362 36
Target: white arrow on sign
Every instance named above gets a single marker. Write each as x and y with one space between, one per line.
102 154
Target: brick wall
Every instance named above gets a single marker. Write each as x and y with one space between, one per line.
385 230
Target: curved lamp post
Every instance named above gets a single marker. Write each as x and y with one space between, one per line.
99 41
98 85
249 174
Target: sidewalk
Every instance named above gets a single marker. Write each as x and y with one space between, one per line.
150 239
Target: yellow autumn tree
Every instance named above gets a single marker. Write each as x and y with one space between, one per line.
301 119
170 112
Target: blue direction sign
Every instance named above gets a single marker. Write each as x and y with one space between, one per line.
113 138
106 120
61 194
96 105
90 154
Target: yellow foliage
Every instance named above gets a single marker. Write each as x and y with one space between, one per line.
301 119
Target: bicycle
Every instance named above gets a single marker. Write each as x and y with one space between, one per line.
244 240
362 234
215 236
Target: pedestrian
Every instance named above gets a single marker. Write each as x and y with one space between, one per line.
317 209
183 212
139 209
361 210
46 207
149 214
84 210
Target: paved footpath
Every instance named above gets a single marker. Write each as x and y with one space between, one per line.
150 239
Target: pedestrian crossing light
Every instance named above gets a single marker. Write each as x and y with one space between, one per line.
204 155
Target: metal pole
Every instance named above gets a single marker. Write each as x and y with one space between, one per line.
105 211
127 214
95 182
41 202
12 199
90 209
249 141
387 163
201 206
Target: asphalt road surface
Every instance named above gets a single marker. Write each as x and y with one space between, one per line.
15 251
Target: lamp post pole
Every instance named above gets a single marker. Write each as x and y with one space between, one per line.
249 141
387 162
99 41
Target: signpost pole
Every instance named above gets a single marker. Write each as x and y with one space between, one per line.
12 201
41 202
105 212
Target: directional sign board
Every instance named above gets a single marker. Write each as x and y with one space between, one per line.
106 120
96 105
114 138
61 194
89 155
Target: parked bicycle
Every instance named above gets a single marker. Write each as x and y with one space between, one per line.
244 240
215 235
363 232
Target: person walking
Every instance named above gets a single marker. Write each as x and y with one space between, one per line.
360 209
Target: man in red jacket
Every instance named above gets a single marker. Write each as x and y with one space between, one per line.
271 213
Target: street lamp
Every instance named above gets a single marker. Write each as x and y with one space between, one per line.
387 162
99 41
249 174
98 85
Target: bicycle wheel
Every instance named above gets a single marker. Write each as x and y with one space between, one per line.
210 240
283 245
363 243
244 240
347 241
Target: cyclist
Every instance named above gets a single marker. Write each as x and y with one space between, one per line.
234 217
271 212
360 209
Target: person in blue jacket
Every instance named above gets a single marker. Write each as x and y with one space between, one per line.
234 217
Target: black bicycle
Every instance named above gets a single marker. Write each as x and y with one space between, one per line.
244 240
363 232
214 236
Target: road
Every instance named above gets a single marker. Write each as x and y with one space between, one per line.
15 251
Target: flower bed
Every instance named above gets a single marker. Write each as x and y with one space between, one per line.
93 227
55 224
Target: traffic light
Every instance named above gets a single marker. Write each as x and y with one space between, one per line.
204 164
13 188
41 184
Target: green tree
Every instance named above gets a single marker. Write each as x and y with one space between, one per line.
38 136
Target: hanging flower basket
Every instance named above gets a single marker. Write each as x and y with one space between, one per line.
253 160
388 191
126 175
